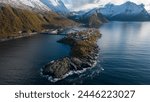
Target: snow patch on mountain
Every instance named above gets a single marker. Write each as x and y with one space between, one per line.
80 5
126 11
56 6
46 5
26 4
112 10
128 8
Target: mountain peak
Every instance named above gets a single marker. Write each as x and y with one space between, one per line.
128 3
126 11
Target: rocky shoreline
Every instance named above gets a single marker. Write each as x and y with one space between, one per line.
23 35
84 53
18 36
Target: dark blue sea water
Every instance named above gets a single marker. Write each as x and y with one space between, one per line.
22 59
124 57
125 53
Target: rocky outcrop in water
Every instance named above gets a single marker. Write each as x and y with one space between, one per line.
84 53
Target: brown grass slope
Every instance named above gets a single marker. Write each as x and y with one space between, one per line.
13 20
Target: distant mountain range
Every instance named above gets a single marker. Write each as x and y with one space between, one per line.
128 11
34 15
82 5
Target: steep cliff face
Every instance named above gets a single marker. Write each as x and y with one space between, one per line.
14 20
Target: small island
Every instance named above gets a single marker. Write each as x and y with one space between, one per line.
83 55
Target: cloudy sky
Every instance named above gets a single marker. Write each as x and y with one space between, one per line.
86 4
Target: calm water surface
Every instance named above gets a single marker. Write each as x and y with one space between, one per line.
124 57
22 59
125 53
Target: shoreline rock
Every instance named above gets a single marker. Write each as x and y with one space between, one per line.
84 53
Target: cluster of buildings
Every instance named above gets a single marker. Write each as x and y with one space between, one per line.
81 35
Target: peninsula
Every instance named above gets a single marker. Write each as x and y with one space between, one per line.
84 53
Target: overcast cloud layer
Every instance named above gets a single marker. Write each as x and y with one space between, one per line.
87 4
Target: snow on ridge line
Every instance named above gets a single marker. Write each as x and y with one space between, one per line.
56 6
46 5
128 7
26 4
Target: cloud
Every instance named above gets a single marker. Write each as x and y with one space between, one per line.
79 4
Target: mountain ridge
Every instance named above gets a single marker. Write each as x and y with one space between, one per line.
56 6
127 11
26 4
13 20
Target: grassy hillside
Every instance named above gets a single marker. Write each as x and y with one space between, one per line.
14 20
93 20
96 20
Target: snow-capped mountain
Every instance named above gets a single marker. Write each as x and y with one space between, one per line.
26 4
26 16
126 11
46 5
56 6
80 5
